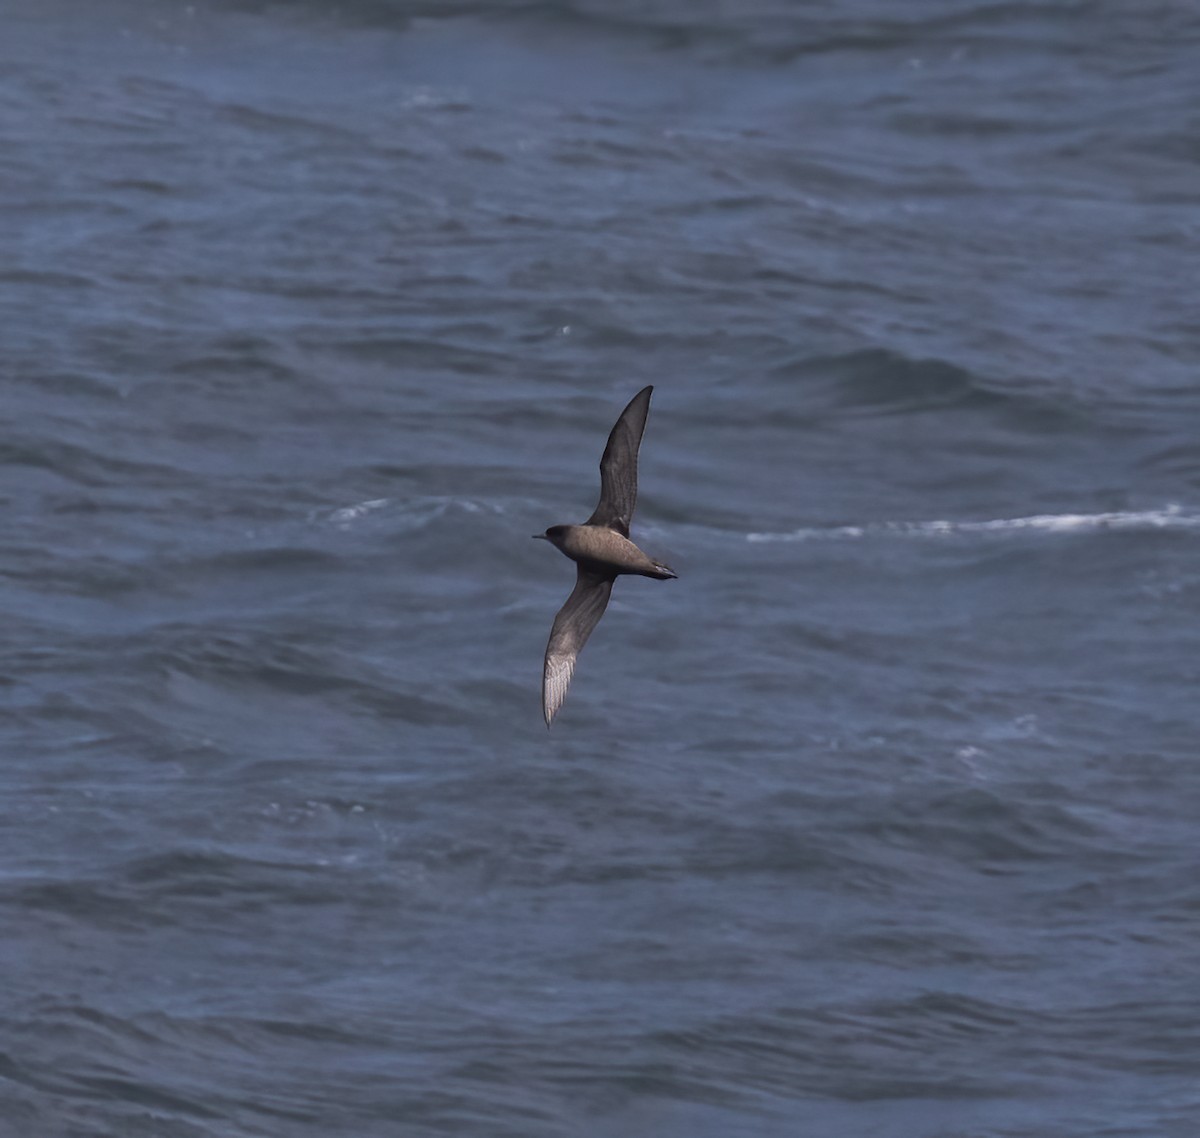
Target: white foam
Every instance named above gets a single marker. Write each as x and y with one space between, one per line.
349 513
404 513
1167 517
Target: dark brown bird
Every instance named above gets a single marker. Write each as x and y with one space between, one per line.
602 552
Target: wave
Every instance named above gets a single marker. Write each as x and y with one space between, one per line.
1167 517
772 32
401 514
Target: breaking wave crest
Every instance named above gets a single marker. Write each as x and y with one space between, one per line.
1166 517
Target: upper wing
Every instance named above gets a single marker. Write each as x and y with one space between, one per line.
572 626
618 467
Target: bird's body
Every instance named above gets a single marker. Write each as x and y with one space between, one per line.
602 551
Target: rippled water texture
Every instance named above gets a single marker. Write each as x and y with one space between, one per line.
881 820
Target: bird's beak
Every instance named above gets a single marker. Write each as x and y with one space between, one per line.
543 537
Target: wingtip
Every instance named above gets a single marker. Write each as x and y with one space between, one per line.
549 708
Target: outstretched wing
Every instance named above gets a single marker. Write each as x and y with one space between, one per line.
618 467
572 626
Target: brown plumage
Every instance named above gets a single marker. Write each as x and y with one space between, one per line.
602 552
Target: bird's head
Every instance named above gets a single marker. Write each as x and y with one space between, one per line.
554 534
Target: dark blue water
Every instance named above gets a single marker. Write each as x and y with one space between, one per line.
880 821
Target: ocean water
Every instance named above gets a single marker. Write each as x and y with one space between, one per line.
880 822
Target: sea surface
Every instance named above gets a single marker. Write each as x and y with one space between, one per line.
881 821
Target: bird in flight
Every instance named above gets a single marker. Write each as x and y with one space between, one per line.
602 552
